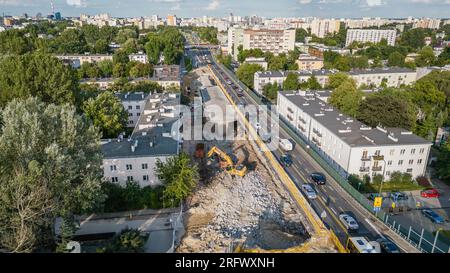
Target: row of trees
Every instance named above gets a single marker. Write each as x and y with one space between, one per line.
167 42
106 69
280 62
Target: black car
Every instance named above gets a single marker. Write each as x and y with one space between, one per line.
286 160
319 178
387 246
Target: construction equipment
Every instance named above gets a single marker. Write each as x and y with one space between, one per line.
227 163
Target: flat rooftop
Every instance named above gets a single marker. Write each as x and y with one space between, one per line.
348 129
166 73
325 72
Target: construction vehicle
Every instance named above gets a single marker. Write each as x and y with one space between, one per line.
227 163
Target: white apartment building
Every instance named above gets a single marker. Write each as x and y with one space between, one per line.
153 138
133 103
322 27
275 41
235 39
394 77
371 35
139 57
77 60
350 146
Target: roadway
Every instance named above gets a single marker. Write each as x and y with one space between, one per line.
329 198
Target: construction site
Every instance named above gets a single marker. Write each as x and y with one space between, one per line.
240 205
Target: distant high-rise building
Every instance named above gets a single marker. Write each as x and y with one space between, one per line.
58 16
371 35
275 41
322 27
427 23
171 20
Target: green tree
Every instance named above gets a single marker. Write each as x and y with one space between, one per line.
101 46
50 166
426 57
178 175
443 162
313 84
396 59
127 241
336 79
71 41
107 114
13 41
413 38
346 98
153 48
38 75
246 73
300 35
271 91
106 68
291 82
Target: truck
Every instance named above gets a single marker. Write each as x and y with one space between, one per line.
286 145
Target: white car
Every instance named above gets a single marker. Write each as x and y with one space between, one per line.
309 191
286 145
349 222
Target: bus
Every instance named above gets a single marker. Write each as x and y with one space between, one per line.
362 245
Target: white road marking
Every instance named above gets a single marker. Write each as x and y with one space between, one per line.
333 211
374 228
341 209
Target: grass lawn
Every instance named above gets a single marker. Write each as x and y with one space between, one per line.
390 187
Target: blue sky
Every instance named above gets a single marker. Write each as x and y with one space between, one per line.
268 8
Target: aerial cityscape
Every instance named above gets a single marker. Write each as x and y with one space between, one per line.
212 126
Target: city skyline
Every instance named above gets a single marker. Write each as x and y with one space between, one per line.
220 8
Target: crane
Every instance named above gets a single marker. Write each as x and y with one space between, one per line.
227 163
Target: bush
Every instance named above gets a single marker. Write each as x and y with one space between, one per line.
128 241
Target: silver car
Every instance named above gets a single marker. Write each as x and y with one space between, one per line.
309 191
349 222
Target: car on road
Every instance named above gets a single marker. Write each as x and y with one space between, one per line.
309 191
286 144
349 222
387 246
319 178
433 216
372 196
286 160
429 193
398 196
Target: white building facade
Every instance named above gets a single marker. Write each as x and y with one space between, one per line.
370 35
350 146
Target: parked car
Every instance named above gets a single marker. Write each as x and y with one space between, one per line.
286 160
372 196
319 178
429 193
433 216
399 196
286 144
349 222
309 191
387 246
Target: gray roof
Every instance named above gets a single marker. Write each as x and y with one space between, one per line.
154 126
131 96
348 129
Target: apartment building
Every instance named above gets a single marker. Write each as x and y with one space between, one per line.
308 62
275 41
167 76
155 137
394 77
322 27
235 39
105 83
350 146
133 103
370 35
77 60
139 57
427 23
317 50
172 20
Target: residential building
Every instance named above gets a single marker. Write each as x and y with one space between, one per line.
394 77
133 103
275 41
350 146
172 20
318 50
235 39
167 76
156 136
308 62
139 57
427 23
370 35
322 27
259 61
105 83
77 60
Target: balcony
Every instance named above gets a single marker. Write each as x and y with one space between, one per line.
365 158
316 141
364 169
290 110
377 169
378 157
302 120
317 133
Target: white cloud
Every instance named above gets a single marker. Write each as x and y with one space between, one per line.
176 7
213 5
77 3
303 2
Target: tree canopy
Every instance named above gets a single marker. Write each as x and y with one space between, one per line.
246 73
346 98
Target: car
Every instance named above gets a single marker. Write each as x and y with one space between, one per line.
372 196
319 178
309 191
399 196
349 222
286 160
433 216
286 144
429 193
387 246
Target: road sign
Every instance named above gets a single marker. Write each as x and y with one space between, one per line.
377 202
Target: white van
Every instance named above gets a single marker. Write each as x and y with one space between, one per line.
286 144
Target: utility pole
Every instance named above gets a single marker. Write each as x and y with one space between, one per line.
52 5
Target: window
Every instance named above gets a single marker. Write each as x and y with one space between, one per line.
114 179
422 150
364 154
129 167
129 178
130 122
411 161
377 152
402 151
130 107
389 163
388 173
409 170
413 151
145 178
138 107
400 162
130 114
145 166
113 168
419 161
138 114
392 152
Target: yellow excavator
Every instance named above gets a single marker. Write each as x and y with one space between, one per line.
227 163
